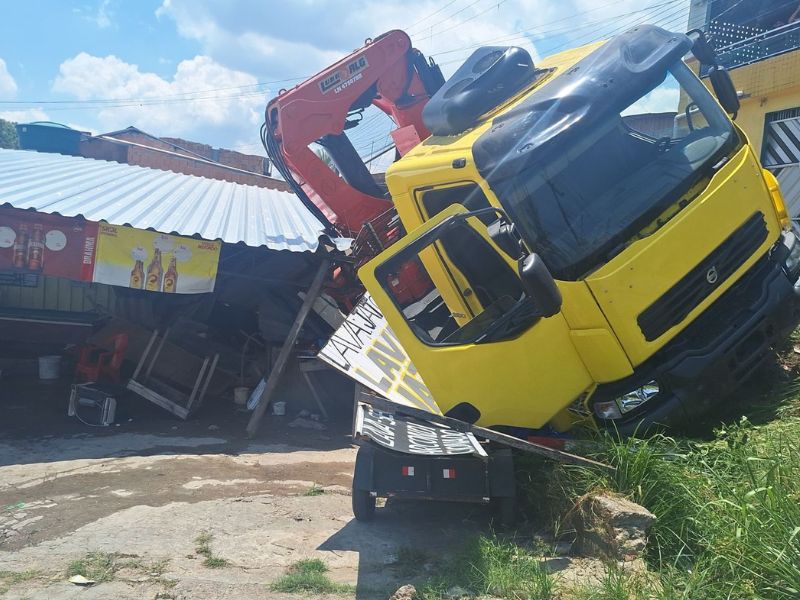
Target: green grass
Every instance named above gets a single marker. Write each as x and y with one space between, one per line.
9 579
618 585
96 566
490 566
728 509
308 576
101 567
314 490
203 548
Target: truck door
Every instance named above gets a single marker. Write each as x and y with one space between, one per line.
477 338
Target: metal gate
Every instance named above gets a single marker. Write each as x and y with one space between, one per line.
781 154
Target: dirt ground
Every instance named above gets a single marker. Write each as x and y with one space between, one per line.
147 488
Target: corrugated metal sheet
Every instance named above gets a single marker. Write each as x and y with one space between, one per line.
789 180
164 201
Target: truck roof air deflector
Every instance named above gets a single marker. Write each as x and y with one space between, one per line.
490 76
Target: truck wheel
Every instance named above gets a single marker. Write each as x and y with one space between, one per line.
363 505
505 511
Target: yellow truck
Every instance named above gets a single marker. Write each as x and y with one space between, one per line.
602 241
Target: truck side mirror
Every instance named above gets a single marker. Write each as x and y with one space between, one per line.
724 89
540 285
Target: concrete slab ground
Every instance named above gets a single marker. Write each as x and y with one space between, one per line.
144 490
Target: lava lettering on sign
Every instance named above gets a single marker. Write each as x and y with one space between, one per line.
366 349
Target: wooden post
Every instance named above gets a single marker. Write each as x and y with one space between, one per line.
286 350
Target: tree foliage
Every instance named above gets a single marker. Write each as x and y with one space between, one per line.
8 135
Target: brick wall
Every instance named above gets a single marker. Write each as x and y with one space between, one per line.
147 157
231 158
135 148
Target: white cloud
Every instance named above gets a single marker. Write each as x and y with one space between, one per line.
295 39
202 100
245 41
102 16
8 87
25 115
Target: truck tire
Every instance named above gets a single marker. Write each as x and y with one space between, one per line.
363 506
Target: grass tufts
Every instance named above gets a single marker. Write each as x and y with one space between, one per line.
203 548
314 490
310 576
490 566
728 509
97 566
9 579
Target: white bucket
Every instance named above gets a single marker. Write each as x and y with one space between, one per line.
241 394
279 409
49 367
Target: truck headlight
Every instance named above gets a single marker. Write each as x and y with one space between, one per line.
792 261
615 409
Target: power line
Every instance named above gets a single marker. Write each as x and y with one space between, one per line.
176 96
433 14
590 38
665 9
475 16
522 33
201 95
459 11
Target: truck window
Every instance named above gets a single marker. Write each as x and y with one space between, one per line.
468 264
470 196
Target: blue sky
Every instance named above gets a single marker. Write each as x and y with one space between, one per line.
203 69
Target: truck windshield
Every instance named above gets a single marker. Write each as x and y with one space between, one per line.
580 208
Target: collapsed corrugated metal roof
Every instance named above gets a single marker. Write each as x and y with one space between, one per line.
160 200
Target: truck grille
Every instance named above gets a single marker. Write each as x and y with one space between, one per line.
672 308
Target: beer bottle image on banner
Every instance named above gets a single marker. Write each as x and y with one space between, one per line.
21 247
137 275
155 273
171 276
36 248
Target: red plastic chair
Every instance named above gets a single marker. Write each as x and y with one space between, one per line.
95 365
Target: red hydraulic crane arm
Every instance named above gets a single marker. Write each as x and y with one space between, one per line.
387 73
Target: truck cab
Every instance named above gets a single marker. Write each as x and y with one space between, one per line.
602 243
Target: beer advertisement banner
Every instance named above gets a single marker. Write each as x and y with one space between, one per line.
33 242
155 262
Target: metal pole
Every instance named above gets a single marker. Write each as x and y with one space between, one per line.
286 350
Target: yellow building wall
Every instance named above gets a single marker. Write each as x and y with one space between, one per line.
768 86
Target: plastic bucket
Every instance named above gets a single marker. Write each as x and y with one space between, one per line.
241 394
279 409
49 367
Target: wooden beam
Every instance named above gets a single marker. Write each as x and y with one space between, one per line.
314 394
286 350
